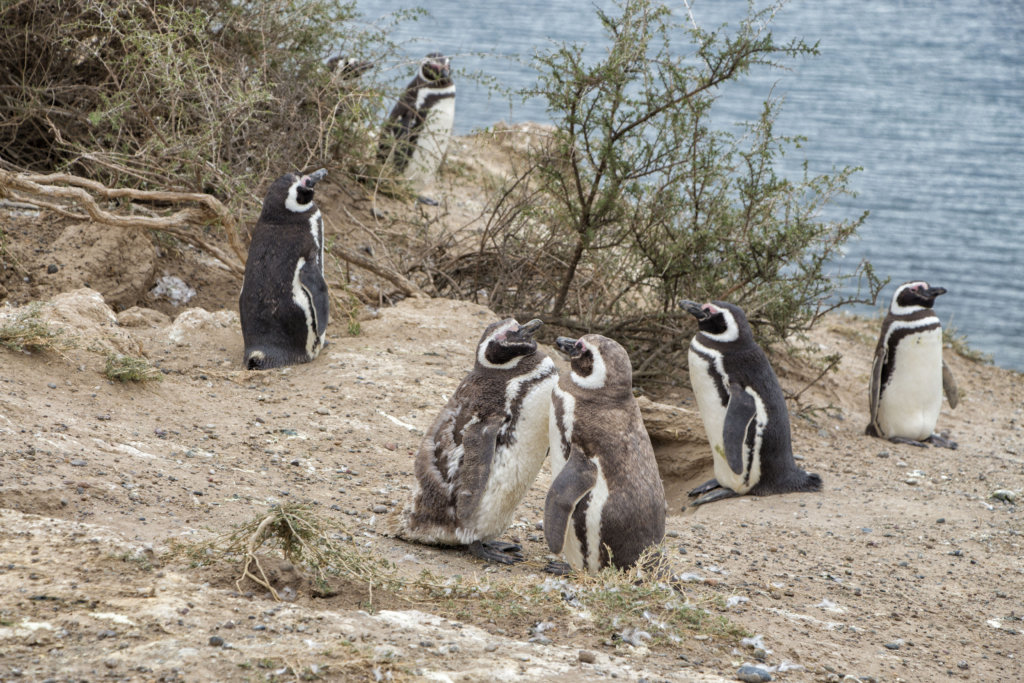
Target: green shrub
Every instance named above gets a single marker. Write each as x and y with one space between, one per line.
638 200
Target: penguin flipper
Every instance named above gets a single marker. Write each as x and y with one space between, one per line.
949 387
575 480
312 279
875 391
479 441
740 418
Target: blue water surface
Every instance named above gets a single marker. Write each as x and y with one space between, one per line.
928 97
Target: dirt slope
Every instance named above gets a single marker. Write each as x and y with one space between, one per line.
904 568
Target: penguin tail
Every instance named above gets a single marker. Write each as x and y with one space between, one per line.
812 482
256 360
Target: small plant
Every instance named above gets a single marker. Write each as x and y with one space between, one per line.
952 338
123 368
27 331
304 539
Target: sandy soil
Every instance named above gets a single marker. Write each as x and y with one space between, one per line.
905 567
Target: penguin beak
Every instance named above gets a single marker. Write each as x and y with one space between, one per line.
567 345
531 327
315 177
933 292
693 308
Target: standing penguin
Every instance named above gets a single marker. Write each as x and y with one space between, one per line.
908 376
417 132
743 409
606 503
283 304
485 448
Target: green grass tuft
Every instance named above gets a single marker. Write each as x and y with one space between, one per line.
124 368
27 331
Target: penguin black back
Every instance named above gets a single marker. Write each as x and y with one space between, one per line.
283 305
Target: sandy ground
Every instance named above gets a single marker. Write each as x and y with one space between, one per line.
905 567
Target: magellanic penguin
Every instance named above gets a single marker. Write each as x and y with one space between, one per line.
283 305
485 448
417 132
908 376
606 503
743 409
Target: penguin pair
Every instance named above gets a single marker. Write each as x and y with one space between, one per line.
487 445
742 407
283 305
418 129
908 374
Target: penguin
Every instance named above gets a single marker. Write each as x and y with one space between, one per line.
283 305
606 503
743 409
419 127
909 376
345 69
485 448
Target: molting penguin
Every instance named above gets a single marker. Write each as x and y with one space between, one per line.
606 503
743 409
908 376
283 305
486 447
417 132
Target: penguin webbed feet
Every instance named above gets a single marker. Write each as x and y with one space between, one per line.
909 442
942 441
709 485
558 568
720 493
497 551
428 201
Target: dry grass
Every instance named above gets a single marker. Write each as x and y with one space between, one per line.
122 368
27 331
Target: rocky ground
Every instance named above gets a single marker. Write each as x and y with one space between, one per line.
907 566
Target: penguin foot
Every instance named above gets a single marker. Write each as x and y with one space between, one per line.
426 200
496 551
557 567
720 493
909 442
709 485
942 442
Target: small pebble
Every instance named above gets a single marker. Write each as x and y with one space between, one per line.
51 385
962 665
216 641
380 509
587 657
1005 495
78 463
894 645
51 269
752 674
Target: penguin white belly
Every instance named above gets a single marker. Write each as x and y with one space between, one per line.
712 412
910 403
515 466
432 141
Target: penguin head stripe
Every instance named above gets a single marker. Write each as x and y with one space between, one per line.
597 362
435 67
505 343
911 297
299 198
720 322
